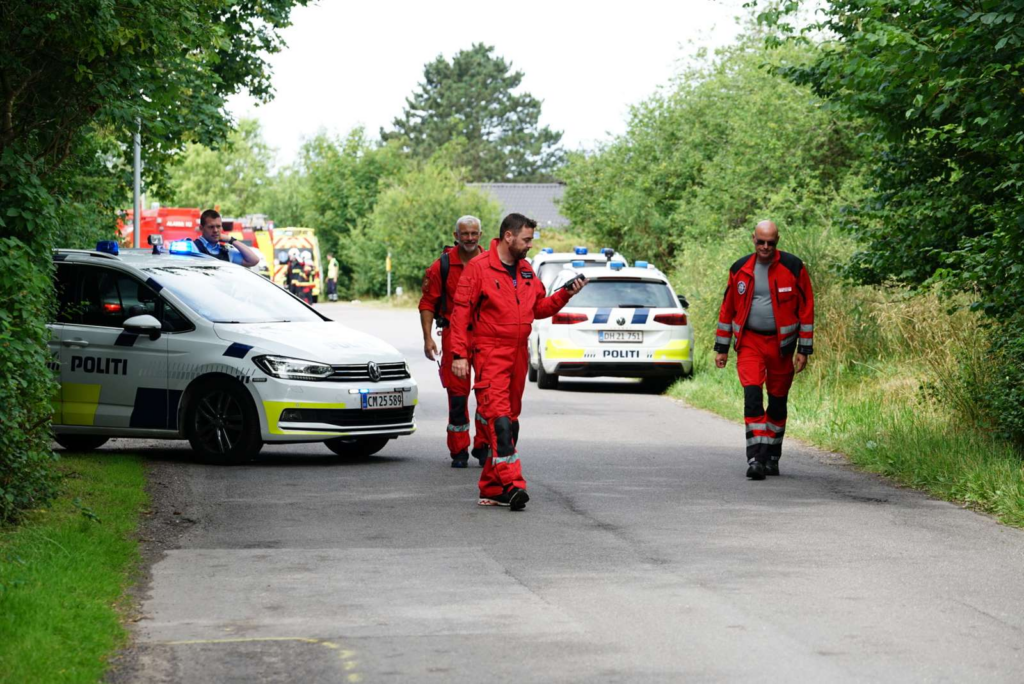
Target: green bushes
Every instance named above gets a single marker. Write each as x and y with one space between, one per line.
413 219
1007 386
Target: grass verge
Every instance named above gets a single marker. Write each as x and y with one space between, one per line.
64 571
878 418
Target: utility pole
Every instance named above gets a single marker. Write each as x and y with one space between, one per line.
137 187
387 265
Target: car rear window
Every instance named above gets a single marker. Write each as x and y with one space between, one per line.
640 294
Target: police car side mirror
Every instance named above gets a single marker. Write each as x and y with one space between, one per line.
143 325
683 303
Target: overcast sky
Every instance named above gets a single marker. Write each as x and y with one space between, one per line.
354 63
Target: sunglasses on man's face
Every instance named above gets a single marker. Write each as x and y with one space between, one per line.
766 243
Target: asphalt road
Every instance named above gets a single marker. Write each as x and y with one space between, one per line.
644 556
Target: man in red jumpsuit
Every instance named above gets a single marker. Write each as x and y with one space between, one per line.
498 298
769 308
467 246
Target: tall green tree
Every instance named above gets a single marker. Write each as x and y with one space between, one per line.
471 100
76 77
413 218
234 176
343 179
728 143
939 82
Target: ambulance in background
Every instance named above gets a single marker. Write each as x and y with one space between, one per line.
257 232
304 240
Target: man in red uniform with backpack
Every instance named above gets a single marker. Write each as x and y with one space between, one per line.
497 300
769 309
436 303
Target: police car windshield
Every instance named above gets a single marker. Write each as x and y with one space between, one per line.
625 294
230 294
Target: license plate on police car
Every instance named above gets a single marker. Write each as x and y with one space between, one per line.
620 336
382 400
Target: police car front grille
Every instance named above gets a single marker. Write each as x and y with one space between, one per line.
360 372
350 417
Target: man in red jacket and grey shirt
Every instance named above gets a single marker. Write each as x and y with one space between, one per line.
436 303
498 298
769 308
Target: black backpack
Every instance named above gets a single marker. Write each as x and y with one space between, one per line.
442 302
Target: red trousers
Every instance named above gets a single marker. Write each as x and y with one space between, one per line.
759 363
458 412
500 378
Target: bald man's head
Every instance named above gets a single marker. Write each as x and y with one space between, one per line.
766 237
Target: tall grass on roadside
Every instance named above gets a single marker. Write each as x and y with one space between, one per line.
897 380
63 574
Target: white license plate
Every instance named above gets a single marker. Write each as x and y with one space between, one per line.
620 335
382 400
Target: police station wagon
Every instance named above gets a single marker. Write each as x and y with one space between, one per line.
628 322
180 345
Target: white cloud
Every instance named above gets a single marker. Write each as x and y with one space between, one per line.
354 63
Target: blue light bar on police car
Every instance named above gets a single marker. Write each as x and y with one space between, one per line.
108 247
548 250
640 264
581 250
183 246
579 263
616 265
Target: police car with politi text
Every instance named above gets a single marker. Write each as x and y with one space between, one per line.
179 345
628 322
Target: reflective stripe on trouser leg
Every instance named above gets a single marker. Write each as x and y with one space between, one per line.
458 425
754 420
480 440
776 424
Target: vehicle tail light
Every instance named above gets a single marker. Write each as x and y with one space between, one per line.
112 308
671 319
568 318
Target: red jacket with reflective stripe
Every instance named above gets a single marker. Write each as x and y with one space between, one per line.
792 303
431 291
495 309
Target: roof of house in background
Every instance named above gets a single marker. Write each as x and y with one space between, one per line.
538 201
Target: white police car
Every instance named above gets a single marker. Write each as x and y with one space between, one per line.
182 345
548 263
627 322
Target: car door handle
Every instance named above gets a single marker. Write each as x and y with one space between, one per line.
75 343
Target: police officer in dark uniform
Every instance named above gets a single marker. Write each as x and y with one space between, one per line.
210 242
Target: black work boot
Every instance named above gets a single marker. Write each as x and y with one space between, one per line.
771 467
755 470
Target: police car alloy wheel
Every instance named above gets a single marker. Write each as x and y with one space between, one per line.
221 423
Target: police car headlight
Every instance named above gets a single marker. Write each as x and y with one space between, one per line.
293 369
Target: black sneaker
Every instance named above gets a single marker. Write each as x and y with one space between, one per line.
515 499
461 459
460 464
771 467
755 470
481 454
